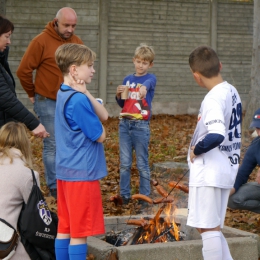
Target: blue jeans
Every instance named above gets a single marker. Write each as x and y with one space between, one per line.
134 134
45 109
247 197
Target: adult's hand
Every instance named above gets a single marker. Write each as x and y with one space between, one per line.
40 131
32 99
232 191
257 179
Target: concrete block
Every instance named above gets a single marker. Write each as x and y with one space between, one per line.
243 248
243 245
100 249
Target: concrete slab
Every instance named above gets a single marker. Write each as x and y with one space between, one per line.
175 170
169 166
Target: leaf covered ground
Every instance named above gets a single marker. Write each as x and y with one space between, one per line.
170 138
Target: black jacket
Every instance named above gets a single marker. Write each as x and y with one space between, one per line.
250 161
11 109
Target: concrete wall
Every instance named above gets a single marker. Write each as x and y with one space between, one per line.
114 28
30 17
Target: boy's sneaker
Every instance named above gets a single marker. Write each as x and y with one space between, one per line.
142 205
125 200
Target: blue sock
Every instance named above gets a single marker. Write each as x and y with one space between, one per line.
78 252
61 249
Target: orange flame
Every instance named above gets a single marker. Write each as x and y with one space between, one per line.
158 227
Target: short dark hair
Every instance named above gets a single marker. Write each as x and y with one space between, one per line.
5 25
205 61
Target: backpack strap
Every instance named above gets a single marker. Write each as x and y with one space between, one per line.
34 179
8 224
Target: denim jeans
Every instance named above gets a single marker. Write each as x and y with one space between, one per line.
134 134
45 109
247 198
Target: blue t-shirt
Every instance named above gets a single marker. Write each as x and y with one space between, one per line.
80 115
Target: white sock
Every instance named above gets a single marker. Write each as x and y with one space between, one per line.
212 247
225 249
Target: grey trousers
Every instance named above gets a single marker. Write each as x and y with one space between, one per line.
247 197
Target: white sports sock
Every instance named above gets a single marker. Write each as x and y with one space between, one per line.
225 249
212 247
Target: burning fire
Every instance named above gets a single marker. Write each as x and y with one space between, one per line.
159 229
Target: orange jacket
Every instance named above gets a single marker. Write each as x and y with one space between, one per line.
40 56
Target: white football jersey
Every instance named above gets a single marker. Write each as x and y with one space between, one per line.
220 113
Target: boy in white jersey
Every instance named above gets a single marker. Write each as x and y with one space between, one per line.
214 153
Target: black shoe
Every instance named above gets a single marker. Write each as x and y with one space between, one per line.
142 205
125 200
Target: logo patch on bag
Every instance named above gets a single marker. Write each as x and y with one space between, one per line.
44 212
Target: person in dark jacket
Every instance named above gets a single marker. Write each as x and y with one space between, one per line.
11 109
246 195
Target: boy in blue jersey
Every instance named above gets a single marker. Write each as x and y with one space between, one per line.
214 153
80 158
134 129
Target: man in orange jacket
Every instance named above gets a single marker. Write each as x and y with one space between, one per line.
40 56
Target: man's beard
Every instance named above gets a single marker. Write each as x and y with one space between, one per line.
65 36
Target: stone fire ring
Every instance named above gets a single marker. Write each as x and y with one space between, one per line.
243 245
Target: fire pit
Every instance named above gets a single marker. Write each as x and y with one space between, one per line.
149 233
157 229
243 245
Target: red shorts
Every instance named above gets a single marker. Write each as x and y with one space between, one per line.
80 210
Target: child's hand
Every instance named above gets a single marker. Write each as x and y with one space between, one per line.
79 85
119 90
192 155
142 92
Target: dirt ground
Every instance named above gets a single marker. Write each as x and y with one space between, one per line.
170 138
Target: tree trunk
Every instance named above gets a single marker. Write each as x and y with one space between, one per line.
254 94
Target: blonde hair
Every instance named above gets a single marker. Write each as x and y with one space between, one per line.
73 54
144 52
14 135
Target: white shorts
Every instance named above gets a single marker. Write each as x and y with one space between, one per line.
207 207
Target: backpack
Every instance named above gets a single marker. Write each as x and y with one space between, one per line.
37 224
